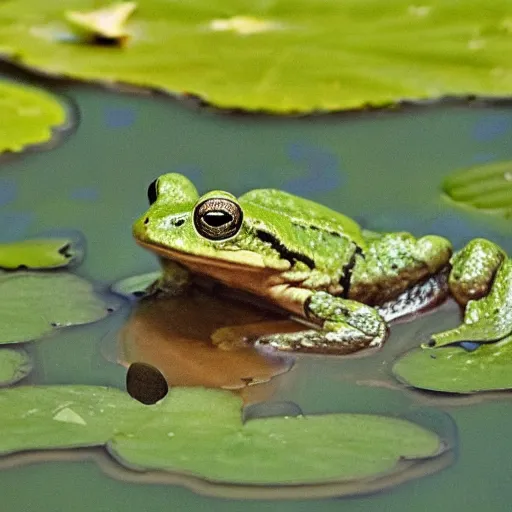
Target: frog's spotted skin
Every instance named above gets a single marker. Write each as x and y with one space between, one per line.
319 264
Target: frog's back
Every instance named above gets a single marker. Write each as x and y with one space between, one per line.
305 213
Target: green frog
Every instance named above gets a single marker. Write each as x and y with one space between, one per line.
346 283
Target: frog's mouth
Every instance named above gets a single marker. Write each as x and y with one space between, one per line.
229 260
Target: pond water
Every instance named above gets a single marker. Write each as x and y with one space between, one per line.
382 168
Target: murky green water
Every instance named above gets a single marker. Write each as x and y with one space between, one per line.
383 169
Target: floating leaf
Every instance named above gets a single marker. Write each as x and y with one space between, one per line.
487 188
200 432
38 253
455 370
135 286
281 56
28 115
106 24
15 365
33 304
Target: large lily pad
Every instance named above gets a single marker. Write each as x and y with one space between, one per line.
486 187
28 115
39 253
281 56
14 365
454 370
200 432
33 304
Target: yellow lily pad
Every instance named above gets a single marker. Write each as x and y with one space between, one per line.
28 115
283 56
39 253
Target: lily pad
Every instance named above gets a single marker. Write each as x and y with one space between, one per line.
135 286
487 188
283 56
455 370
200 432
39 253
15 365
29 115
33 304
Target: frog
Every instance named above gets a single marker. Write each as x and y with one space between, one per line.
344 282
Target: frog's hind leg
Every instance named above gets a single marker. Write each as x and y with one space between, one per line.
481 280
347 326
417 299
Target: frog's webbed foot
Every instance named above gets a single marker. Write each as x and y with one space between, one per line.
347 326
481 277
174 280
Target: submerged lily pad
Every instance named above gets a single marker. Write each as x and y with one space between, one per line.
487 188
28 115
200 432
280 56
455 370
33 304
15 365
38 253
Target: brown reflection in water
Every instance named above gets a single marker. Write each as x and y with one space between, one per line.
175 335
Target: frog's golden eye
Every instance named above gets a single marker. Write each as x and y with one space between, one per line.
152 191
218 218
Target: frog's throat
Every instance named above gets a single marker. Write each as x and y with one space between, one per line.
262 281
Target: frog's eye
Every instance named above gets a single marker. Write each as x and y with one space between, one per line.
152 191
218 218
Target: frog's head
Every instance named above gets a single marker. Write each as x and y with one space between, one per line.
211 230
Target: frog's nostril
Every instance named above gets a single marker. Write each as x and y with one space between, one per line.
146 220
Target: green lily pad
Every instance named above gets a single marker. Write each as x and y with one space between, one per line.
135 286
15 365
283 56
38 253
486 187
454 370
199 432
29 115
33 304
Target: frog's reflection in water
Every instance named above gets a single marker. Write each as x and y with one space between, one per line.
202 340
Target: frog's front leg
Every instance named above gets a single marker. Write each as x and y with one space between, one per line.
346 326
481 280
174 280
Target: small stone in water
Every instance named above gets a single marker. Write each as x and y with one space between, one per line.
146 383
